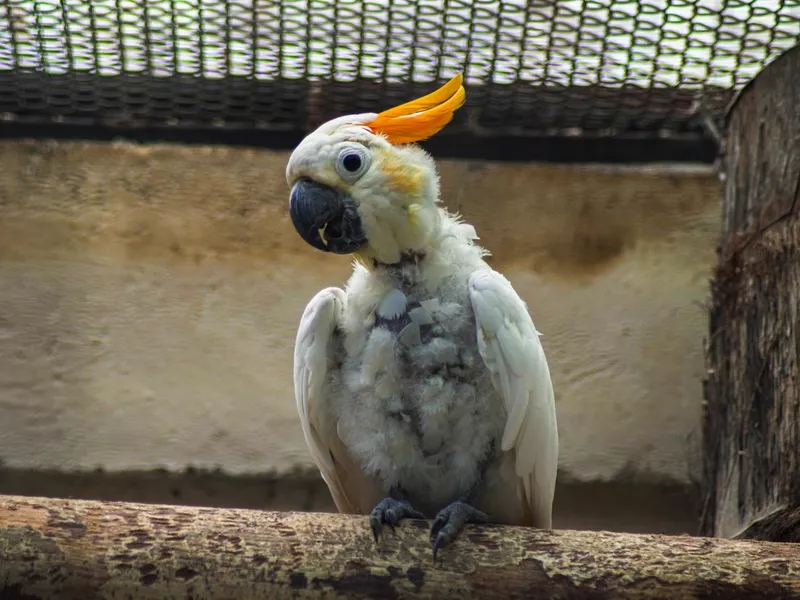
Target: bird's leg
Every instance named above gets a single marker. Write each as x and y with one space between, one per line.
391 510
450 520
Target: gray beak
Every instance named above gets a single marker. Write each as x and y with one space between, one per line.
325 218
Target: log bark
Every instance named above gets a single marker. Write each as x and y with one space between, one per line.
751 426
74 549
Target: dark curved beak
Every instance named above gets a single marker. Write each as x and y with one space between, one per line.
325 217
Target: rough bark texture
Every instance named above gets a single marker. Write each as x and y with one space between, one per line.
70 549
752 420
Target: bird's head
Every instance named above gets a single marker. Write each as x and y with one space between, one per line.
359 185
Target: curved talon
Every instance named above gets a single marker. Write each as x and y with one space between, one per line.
449 522
436 544
391 512
375 524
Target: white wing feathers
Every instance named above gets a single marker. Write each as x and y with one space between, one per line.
311 362
510 347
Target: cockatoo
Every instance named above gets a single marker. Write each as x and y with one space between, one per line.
422 387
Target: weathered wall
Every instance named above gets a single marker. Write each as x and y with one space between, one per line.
149 298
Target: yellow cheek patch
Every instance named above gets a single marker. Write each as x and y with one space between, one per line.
406 179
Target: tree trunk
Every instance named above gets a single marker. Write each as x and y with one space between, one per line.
752 416
73 549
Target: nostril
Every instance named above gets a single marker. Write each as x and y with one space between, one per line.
303 180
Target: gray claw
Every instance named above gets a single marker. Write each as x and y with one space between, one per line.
449 522
391 512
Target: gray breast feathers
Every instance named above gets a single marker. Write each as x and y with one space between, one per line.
416 405
410 321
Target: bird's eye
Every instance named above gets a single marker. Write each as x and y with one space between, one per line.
353 161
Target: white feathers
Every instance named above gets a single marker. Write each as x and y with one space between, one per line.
410 336
393 305
430 305
510 347
420 316
311 356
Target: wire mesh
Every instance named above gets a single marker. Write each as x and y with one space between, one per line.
531 66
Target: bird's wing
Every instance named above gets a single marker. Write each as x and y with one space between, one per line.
510 347
313 353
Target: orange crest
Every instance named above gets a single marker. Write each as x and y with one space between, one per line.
419 119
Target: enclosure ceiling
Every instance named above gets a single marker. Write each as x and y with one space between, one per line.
533 68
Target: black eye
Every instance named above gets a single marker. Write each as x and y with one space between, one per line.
351 162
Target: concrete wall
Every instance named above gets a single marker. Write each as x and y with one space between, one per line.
149 297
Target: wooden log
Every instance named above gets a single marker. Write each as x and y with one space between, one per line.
751 473
76 549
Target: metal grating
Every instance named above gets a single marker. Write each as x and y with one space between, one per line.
531 66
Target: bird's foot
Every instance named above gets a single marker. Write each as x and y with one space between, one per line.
391 512
449 522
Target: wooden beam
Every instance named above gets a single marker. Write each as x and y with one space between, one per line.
752 417
77 549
